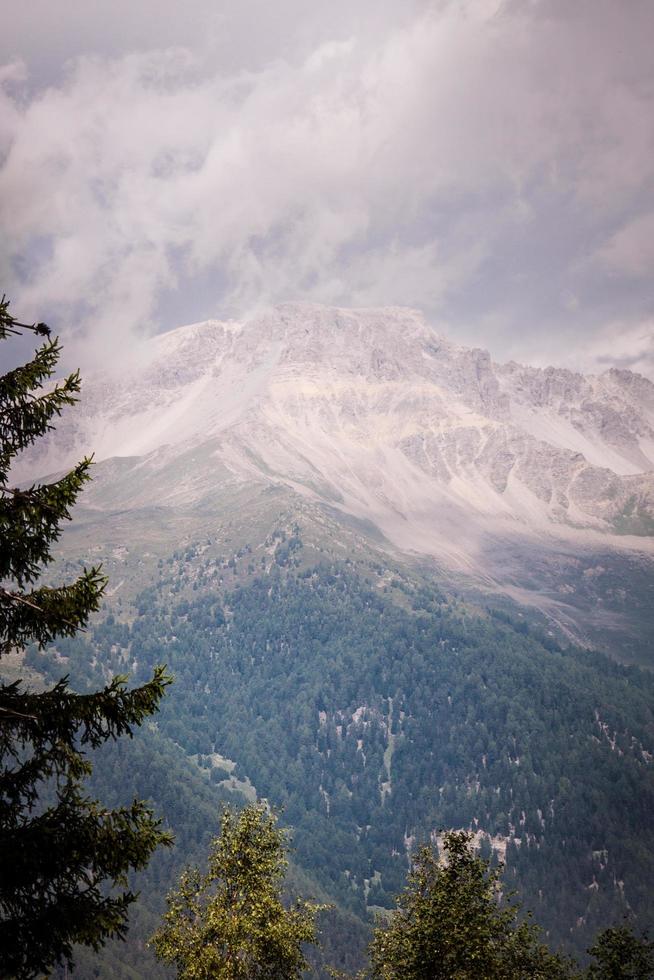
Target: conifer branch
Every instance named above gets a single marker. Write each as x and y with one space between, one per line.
15 597
61 853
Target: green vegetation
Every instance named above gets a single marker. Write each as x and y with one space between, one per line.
354 694
453 919
229 923
620 955
451 922
297 678
60 852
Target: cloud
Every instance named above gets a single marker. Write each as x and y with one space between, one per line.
630 252
626 346
466 158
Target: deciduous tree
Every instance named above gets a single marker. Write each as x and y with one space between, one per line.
230 923
450 923
618 954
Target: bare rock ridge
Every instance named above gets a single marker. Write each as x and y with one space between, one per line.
374 413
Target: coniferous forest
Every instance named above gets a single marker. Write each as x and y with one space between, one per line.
327 490
376 723
375 708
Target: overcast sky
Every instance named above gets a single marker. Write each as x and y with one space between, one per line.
491 163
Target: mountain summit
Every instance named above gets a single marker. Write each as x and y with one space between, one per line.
370 556
374 415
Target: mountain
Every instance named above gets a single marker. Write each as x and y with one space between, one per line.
535 484
401 589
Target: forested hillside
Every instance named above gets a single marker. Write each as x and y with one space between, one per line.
327 490
378 711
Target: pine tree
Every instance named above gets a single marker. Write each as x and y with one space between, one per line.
230 923
62 855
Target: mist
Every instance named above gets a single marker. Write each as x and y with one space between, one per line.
489 163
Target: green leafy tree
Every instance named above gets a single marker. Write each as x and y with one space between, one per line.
231 923
451 924
61 853
620 955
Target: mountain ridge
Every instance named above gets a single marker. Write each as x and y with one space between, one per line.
337 609
371 413
296 346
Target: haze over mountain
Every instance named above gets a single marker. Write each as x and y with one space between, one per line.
402 582
485 468
371 559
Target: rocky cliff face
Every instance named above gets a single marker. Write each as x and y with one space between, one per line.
374 413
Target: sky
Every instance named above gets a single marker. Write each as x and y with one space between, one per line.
490 162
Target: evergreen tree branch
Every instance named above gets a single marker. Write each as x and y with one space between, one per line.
61 853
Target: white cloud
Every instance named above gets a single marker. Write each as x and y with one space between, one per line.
377 159
630 251
623 345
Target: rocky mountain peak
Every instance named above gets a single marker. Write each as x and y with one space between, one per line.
375 410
